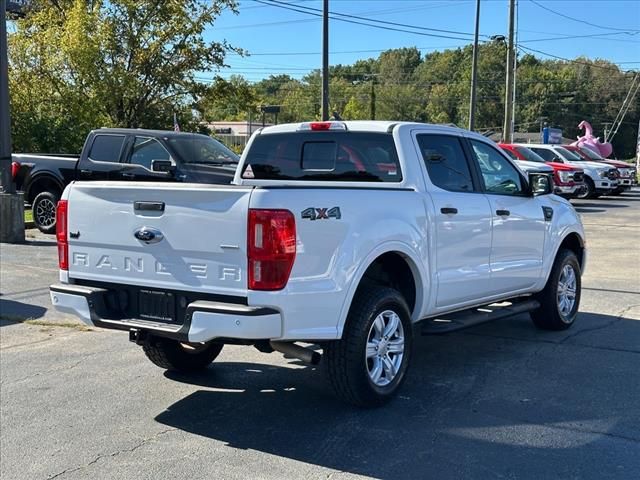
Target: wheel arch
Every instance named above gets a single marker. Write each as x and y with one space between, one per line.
43 182
574 242
395 265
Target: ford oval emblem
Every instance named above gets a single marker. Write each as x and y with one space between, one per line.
148 235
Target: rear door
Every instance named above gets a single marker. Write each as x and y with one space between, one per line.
517 219
463 220
102 160
197 242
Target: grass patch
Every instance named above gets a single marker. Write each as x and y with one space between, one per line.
28 216
73 325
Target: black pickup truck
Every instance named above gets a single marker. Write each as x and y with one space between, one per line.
121 154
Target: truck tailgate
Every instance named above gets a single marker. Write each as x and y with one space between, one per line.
199 235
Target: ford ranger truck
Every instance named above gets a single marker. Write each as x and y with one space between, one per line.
334 241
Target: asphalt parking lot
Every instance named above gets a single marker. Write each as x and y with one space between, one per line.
501 400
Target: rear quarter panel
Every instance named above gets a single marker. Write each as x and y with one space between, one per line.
333 254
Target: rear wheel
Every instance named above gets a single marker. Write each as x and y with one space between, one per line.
44 211
560 298
180 356
368 365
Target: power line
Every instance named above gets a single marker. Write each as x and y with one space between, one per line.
374 25
583 21
590 64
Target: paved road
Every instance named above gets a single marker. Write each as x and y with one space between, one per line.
498 401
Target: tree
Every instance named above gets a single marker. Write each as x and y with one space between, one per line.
128 63
228 99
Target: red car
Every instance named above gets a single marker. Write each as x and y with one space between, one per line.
627 171
569 181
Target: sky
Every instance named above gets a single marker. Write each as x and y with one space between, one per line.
282 41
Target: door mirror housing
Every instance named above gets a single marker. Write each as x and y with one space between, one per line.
540 184
165 166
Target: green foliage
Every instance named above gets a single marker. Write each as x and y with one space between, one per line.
77 65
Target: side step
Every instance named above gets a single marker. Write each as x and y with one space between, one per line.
475 316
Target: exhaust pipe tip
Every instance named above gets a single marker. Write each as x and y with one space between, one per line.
306 355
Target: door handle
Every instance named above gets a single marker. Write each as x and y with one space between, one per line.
86 172
127 175
449 210
503 213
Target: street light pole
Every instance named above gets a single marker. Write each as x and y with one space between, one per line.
6 184
474 66
325 60
11 203
507 132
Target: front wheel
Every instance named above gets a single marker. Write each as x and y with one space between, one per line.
180 356
589 190
368 365
560 298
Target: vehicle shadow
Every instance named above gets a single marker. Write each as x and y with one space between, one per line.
600 205
580 209
40 243
16 312
497 400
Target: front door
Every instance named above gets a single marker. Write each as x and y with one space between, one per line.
517 219
462 221
139 161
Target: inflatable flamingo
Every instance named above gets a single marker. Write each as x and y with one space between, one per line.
594 143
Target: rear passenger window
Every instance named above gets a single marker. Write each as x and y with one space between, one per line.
446 163
106 148
331 156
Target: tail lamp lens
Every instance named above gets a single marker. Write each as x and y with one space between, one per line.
15 166
61 235
271 248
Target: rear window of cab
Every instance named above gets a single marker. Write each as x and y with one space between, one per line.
323 156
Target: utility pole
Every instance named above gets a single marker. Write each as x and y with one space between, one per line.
507 132
325 60
474 66
372 104
11 203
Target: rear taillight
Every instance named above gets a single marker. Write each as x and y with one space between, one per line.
15 166
271 248
61 235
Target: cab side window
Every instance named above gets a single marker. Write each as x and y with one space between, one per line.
106 148
498 174
145 150
446 162
548 155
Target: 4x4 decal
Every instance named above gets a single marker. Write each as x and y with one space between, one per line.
313 213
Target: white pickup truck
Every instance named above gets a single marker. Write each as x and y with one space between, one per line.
342 235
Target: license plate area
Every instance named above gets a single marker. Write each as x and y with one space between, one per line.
157 305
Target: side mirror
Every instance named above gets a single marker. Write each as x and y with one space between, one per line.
540 184
165 166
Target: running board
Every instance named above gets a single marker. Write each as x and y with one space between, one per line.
475 316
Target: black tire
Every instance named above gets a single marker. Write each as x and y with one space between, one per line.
43 208
180 357
550 315
617 191
590 189
346 361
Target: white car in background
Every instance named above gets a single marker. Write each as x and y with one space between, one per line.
600 178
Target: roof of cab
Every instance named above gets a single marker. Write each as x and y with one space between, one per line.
382 126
